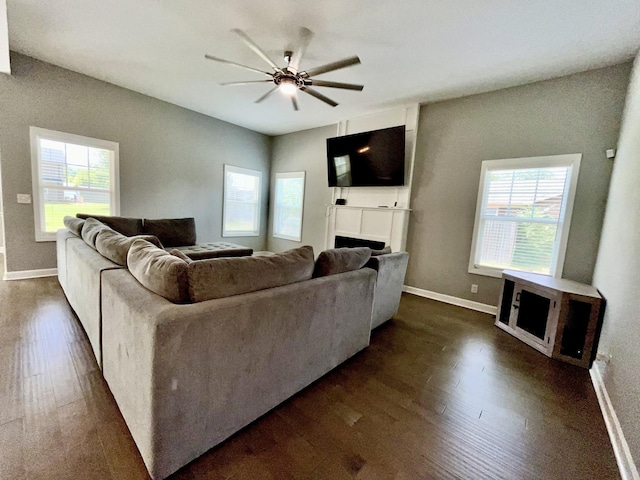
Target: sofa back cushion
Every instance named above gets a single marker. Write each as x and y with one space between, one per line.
159 271
126 226
172 232
90 230
340 260
115 246
223 277
73 224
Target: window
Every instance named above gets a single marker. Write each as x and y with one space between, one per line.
241 211
71 174
523 215
287 218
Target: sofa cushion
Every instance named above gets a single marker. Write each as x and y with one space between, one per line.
340 260
73 224
159 271
179 254
115 246
126 226
90 230
383 251
172 232
203 251
223 277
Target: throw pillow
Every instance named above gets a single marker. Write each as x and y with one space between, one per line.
126 226
73 224
384 251
90 231
340 260
159 271
226 276
181 255
115 246
172 232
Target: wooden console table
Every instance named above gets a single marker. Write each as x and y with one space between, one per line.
560 318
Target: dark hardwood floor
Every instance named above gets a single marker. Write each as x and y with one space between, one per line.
439 394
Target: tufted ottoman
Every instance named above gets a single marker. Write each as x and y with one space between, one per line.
202 251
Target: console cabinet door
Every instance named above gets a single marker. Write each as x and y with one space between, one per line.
534 316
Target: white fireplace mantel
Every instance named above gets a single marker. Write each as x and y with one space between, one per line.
387 225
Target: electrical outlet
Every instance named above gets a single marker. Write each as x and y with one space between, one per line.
474 288
24 198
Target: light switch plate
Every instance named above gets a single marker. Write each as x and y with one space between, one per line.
24 198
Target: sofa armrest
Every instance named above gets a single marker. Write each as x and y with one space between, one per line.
391 269
186 377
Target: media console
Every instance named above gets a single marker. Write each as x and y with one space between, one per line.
560 318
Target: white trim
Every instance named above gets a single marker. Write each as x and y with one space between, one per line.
36 134
627 466
25 274
460 302
1 250
572 161
258 206
288 175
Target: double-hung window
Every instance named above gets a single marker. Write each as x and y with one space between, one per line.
241 210
523 214
71 174
287 217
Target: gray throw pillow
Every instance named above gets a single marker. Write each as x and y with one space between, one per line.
124 225
172 232
384 251
90 231
115 246
73 224
340 260
226 276
159 271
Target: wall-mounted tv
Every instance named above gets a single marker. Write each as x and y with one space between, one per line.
369 159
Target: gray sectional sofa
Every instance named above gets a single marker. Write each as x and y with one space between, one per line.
195 350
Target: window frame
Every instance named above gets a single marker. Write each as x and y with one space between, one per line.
36 134
226 233
284 175
564 221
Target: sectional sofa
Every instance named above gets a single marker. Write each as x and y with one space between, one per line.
195 350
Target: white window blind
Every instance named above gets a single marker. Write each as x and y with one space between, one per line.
71 174
241 209
523 215
287 218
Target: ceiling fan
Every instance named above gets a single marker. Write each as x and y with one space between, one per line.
290 79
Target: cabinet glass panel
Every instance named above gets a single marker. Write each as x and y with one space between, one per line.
507 298
533 313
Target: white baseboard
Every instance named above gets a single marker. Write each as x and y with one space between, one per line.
460 302
627 466
25 274
1 250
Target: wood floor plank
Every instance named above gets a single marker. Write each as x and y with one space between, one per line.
439 394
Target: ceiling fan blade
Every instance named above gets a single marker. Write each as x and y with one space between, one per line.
303 42
266 94
248 82
257 50
229 62
319 96
323 83
330 67
295 103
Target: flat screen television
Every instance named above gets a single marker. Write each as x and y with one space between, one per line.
369 159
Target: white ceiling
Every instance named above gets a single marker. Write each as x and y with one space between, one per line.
411 50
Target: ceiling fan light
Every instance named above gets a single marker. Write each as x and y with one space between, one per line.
288 87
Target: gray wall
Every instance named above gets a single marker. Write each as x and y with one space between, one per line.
171 159
574 114
304 151
617 274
